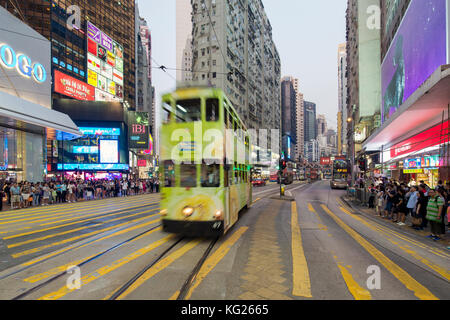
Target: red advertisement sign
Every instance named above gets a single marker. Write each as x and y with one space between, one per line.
325 161
92 47
72 87
426 139
142 163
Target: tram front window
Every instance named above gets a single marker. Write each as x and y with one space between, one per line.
212 110
188 110
188 176
169 174
211 176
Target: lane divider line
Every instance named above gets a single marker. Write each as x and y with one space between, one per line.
409 282
300 274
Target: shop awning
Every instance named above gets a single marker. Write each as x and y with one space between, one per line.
21 113
421 111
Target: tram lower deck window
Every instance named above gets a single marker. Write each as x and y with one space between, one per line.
169 174
211 176
188 176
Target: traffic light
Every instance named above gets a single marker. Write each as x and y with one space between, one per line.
362 164
283 164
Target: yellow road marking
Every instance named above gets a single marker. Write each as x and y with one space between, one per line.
57 270
435 251
257 199
175 295
419 291
159 266
358 292
107 269
64 225
355 289
300 272
215 258
34 250
321 225
69 213
34 261
17 244
442 271
62 208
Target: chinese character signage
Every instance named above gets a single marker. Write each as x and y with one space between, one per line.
105 65
138 133
72 87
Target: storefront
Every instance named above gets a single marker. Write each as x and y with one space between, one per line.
26 118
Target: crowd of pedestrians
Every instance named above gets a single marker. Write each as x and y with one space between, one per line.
396 201
27 194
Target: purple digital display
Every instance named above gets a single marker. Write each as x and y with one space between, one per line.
93 32
417 50
107 42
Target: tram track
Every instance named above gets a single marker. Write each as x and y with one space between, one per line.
79 265
186 285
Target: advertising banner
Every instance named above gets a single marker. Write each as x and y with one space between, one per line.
429 138
418 49
93 32
138 133
92 78
72 87
325 161
105 65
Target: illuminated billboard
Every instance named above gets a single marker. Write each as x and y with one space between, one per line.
109 151
72 87
105 65
138 130
418 49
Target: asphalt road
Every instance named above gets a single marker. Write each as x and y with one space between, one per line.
315 247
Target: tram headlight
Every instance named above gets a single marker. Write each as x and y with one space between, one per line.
188 211
218 215
163 212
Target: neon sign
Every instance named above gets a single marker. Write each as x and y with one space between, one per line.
9 59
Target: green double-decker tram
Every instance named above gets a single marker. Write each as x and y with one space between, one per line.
205 163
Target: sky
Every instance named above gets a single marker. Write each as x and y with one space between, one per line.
307 34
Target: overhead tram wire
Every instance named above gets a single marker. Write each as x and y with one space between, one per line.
163 68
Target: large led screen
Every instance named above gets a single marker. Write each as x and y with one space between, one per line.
109 151
105 65
418 49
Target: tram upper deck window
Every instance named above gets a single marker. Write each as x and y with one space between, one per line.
188 110
211 176
188 176
212 110
169 174
166 113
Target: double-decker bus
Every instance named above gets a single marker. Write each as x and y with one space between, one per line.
340 173
205 162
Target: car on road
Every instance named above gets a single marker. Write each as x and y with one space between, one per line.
338 184
259 182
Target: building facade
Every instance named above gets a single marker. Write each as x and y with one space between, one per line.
233 49
26 117
310 121
412 141
289 117
342 116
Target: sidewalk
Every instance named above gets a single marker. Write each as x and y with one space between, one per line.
371 213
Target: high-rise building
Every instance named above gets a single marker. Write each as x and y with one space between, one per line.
243 62
322 127
186 62
183 39
310 121
363 71
289 117
300 122
342 107
143 65
116 19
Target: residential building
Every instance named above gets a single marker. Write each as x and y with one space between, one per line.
342 100
233 49
186 63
